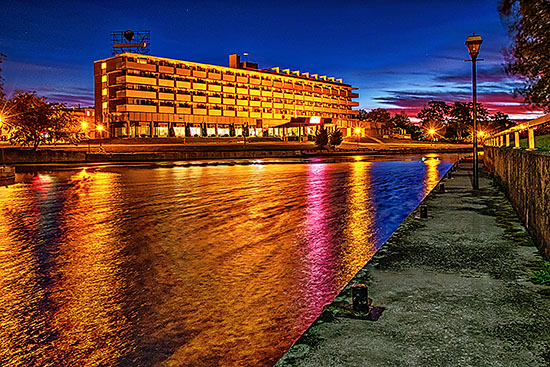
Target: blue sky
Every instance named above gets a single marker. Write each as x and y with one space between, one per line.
400 54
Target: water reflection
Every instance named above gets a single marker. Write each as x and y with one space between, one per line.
193 265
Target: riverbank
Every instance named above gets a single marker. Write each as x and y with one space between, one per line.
168 151
451 290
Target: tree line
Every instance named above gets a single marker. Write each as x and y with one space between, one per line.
453 122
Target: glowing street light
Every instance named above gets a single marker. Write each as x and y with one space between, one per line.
357 131
473 43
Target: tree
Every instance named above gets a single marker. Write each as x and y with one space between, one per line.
33 121
2 95
528 23
336 137
402 121
434 116
362 114
461 120
380 115
246 130
321 139
499 121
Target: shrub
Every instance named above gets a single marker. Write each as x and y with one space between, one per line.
543 276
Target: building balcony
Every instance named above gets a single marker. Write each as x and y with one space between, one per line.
229 101
215 100
278 105
183 84
183 71
255 103
166 109
214 112
267 93
266 82
184 110
229 113
132 93
199 111
267 115
267 104
167 96
278 84
242 102
166 69
199 73
242 90
354 95
256 81
228 77
288 95
254 92
183 97
289 86
255 114
199 86
242 113
136 108
228 89
200 99
214 87
214 76
134 79
139 66
278 95
242 79
166 82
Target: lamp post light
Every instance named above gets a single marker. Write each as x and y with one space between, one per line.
358 132
473 43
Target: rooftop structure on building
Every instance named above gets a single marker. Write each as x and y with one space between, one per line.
141 95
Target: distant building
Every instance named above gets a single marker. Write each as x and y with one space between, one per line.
141 95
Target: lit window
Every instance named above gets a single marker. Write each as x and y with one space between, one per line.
104 91
87 113
104 105
104 78
104 65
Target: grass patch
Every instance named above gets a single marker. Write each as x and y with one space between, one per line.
542 276
541 143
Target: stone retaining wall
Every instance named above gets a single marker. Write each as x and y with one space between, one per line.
526 176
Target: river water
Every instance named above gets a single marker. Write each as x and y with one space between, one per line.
189 264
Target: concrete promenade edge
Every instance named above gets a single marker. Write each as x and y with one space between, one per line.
456 291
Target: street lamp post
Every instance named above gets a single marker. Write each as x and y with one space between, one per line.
473 43
358 132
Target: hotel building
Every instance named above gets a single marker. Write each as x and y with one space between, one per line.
141 95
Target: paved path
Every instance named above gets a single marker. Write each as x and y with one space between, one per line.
456 291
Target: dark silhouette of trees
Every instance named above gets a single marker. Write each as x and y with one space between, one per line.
32 121
528 23
321 139
336 137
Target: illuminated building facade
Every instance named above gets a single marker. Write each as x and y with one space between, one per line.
140 95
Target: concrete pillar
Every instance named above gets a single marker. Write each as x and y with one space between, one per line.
516 140
507 140
501 140
531 133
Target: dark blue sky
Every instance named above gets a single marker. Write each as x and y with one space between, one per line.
400 54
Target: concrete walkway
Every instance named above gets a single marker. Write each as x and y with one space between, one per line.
456 291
